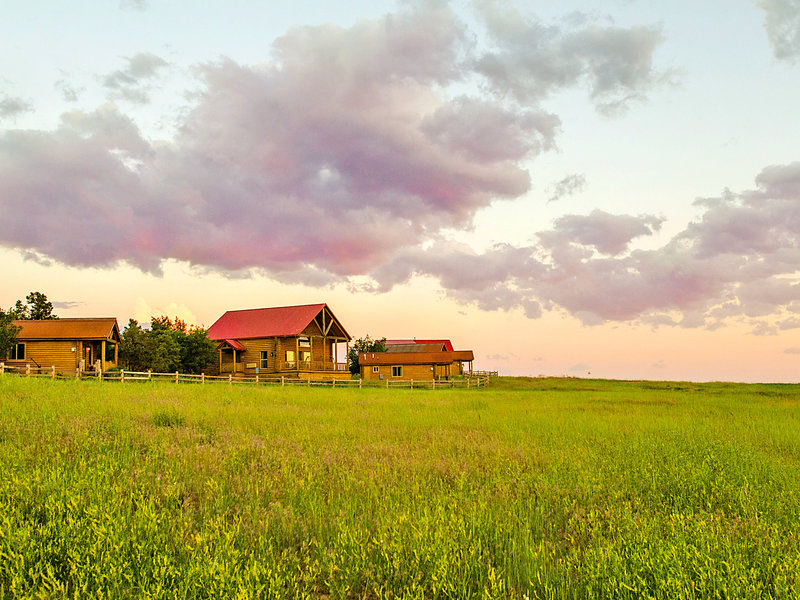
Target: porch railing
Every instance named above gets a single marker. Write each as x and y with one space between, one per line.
291 365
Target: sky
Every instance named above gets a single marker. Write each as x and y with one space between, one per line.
564 189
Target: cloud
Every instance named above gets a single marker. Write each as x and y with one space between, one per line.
607 233
143 312
792 350
532 60
738 260
68 304
131 83
579 368
344 151
782 24
568 186
68 91
12 107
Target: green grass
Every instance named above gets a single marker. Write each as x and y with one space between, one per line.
545 488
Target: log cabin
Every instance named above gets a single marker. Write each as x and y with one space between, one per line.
291 341
423 365
416 359
68 344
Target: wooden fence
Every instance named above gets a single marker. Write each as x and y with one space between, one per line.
473 381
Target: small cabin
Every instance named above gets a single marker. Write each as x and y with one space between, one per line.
68 344
296 341
420 359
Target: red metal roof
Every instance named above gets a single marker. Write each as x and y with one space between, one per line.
69 329
265 322
232 343
448 345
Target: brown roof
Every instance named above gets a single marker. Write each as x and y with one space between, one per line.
414 358
102 328
415 348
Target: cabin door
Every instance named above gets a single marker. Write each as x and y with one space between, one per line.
88 356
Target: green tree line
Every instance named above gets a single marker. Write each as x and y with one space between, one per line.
167 346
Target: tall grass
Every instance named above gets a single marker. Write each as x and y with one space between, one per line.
537 488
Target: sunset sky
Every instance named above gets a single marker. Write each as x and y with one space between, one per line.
576 191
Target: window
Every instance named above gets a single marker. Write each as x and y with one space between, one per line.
376 369
264 356
397 371
305 356
290 356
17 352
304 342
109 352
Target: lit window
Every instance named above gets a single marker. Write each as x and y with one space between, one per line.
305 356
397 371
290 356
304 342
264 356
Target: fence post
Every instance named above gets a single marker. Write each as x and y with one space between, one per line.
77 372
122 375
359 383
202 377
309 381
230 378
53 372
433 383
2 368
467 382
412 384
100 374
256 378
387 383
27 369
176 377
334 382
149 374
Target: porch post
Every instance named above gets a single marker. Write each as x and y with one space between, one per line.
103 353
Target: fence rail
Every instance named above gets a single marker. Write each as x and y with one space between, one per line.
122 376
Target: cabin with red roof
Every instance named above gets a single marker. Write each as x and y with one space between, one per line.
295 341
420 359
68 344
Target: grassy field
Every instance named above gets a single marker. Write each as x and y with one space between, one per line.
537 488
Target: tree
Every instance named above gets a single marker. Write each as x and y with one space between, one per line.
133 347
197 351
8 333
166 347
36 307
364 344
